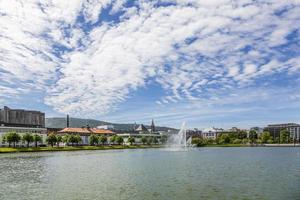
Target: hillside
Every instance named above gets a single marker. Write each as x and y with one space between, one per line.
59 122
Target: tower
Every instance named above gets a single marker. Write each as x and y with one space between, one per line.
152 127
68 121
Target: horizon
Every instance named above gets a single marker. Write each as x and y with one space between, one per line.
218 63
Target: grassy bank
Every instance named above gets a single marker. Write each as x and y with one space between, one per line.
74 148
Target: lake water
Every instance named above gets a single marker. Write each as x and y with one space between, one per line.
149 174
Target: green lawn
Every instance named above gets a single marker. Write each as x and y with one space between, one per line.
74 148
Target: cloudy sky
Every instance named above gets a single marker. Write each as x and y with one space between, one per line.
207 62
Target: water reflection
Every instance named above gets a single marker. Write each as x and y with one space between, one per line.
206 173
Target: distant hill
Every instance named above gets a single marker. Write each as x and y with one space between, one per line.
59 122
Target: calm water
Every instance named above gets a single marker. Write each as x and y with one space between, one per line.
206 173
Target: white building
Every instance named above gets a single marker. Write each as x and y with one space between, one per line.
21 130
106 127
211 133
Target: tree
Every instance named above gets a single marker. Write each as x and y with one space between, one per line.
77 139
113 139
65 139
164 139
93 140
131 140
252 136
27 137
103 139
59 140
72 139
150 140
237 141
224 138
119 140
51 139
12 137
265 136
144 140
155 140
198 141
37 138
284 136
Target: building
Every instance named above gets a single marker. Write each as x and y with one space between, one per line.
152 129
293 128
211 133
21 118
106 127
86 132
141 129
21 121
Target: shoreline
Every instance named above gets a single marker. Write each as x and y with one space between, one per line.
74 148
120 147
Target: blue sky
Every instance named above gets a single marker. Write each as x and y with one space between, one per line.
216 63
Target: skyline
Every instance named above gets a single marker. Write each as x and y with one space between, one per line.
219 63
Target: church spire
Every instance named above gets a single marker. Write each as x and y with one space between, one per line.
152 127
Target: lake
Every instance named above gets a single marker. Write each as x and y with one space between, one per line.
149 174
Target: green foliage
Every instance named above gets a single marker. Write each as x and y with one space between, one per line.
265 136
284 136
237 141
164 139
131 140
93 140
119 140
59 139
150 140
65 139
198 141
12 137
51 139
103 139
37 138
270 141
252 136
245 140
113 139
210 141
77 139
27 137
144 140
224 138
155 140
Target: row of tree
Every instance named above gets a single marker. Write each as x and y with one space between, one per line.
71 139
241 138
14 138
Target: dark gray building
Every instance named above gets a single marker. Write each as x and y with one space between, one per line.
21 118
293 128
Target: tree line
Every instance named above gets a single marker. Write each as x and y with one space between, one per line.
13 138
242 137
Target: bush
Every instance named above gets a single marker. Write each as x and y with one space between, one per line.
237 141
103 139
119 140
131 140
93 140
198 142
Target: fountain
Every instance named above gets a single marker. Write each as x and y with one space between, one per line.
179 141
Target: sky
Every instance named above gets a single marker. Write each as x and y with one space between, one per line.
219 63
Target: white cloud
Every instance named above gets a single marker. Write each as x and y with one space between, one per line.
192 49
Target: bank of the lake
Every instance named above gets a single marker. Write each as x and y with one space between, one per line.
74 148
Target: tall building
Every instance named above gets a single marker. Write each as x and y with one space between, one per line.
293 128
21 118
21 121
